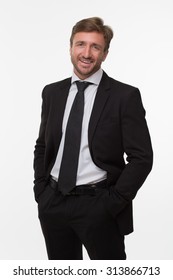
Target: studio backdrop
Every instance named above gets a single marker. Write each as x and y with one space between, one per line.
34 51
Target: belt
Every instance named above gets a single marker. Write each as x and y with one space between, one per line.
89 189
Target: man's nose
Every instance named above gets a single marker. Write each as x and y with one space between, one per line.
87 52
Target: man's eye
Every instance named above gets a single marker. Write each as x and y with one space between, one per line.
96 47
80 44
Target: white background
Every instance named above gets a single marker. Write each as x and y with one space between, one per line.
34 51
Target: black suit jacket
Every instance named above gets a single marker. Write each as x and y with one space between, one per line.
117 128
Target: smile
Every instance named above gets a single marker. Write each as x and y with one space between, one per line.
86 61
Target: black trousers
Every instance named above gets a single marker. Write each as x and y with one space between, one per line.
69 221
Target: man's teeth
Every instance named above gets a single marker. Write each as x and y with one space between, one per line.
86 61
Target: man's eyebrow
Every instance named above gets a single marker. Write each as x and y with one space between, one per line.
83 42
98 45
79 41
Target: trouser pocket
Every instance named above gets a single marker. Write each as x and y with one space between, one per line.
45 198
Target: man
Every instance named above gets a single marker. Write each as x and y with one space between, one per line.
83 184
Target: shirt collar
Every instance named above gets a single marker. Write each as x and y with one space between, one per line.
94 79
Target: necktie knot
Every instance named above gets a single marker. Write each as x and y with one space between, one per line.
81 86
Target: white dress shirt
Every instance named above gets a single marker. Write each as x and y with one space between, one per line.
88 172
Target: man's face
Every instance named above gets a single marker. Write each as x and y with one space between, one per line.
87 53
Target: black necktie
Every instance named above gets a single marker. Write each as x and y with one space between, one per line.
69 163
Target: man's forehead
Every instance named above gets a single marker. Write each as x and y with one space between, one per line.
94 37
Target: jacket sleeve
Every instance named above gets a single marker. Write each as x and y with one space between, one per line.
138 150
39 153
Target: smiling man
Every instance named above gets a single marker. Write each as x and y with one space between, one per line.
89 122
87 53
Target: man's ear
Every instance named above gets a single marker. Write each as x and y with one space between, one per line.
105 55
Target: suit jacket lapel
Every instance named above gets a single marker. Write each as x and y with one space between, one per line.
99 103
64 88
59 108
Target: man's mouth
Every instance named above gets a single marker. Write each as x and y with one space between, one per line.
86 61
